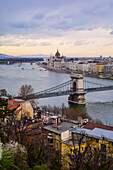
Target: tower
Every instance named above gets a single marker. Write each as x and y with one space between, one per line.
57 55
78 90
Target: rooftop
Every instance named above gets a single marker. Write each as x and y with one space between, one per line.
14 106
91 125
4 97
65 126
18 100
71 142
57 54
95 133
54 117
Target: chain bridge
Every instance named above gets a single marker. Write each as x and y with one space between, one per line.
76 88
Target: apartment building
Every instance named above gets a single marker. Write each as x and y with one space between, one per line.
71 137
108 69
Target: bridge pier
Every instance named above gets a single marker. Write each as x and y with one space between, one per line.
77 87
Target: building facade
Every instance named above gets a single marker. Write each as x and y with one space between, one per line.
71 138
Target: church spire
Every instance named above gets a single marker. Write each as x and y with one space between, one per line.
57 54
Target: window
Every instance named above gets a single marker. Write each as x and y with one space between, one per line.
45 143
70 151
28 105
75 150
85 148
97 140
71 166
95 149
112 143
56 146
50 141
103 147
92 140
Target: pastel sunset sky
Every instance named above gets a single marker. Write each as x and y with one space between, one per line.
75 27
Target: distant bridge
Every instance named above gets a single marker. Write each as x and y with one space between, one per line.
65 89
76 88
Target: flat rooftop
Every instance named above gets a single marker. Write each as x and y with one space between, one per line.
64 127
72 142
95 133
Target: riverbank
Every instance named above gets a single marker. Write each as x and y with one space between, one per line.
99 105
100 76
86 74
56 70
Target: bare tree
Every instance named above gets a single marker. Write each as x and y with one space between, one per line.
3 92
25 91
91 157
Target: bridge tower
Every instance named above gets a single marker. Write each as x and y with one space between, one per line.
78 88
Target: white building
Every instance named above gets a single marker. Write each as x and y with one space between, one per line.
92 67
108 69
75 66
85 67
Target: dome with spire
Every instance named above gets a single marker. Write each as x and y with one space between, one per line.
57 54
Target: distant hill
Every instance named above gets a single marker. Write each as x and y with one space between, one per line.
4 56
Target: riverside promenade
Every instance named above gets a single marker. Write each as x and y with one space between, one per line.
86 74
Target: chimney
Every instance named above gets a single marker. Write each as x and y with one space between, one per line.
79 119
84 121
54 125
59 127
54 119
59 119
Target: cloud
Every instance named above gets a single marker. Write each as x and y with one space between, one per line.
8 44
111 32
24 25
16 40
1 34
108 44
55 23
45 44
39 16
83 42
58 15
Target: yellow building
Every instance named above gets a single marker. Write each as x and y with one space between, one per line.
58 131
93 137
70 139
23 108
99 68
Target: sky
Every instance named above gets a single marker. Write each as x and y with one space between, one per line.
75 27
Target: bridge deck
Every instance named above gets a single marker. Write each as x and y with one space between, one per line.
62 93
98 89
65 89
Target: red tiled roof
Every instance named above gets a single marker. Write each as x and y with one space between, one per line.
16 105
13 104
91 126
14 101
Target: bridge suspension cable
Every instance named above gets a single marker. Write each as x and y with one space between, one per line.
65 89
88 84
59 88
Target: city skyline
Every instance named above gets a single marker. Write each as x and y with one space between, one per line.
75 28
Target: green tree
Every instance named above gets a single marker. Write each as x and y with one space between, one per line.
7 161
40 167
5 113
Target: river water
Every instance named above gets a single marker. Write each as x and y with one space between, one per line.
99 104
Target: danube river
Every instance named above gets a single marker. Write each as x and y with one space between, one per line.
99 104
